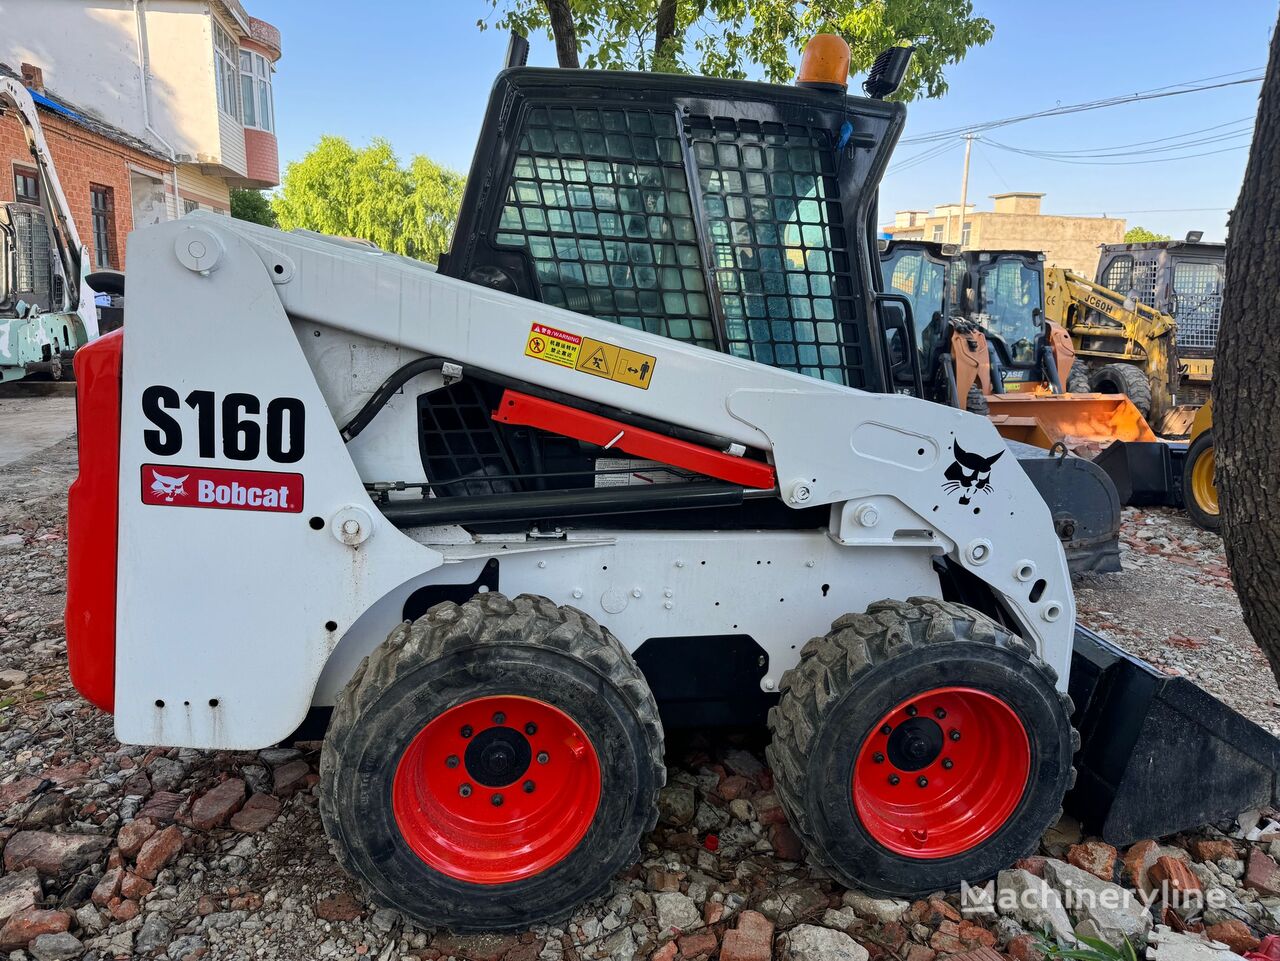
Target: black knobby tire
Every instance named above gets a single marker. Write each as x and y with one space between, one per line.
1123 379
1204 515
489 646
1078 379
844 685
976 402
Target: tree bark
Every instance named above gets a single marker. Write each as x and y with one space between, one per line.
664 29
564 31
1246 386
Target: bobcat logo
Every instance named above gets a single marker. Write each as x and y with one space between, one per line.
168 487
968 473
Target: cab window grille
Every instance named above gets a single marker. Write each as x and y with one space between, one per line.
598 198
771 204
1119 274
462 452
34 274
1197 286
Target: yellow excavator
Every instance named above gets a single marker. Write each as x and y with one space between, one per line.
1122 346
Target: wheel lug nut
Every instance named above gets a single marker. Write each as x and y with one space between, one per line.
894 779
465 790
466 730
912 711
543 757
940 713
878 758
922 781
948 764
886 730
528 787
496 800
954 734
451 761
531 729
499 718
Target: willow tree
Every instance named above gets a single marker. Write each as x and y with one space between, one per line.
365 192
1246 384
727 38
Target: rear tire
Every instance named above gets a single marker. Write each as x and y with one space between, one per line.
1078 378
1124 379
990 793
492 764
1199 486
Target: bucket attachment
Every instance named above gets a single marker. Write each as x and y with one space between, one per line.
1076 420
1085 506
1145 474
1158 754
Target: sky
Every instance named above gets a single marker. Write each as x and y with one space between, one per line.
418 73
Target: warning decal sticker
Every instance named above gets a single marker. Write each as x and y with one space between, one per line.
587 356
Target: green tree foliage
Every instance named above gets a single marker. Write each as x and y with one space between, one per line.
365 192
724 38
250 205
1141 235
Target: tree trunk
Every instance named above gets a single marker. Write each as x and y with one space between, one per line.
1246 386
566 34
664 32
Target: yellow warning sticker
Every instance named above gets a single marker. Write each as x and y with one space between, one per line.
594 357
556 346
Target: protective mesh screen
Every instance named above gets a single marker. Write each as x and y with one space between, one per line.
1198 286
34 274
773 216
599 199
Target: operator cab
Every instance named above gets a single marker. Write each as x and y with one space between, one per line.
1005 294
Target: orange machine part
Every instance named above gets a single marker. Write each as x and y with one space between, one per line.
973 363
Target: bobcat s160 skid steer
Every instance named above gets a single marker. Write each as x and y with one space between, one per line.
498 516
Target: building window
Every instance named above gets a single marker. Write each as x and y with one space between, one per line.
255 91
100 201
26 186
937 233
189 205
225 55
964 234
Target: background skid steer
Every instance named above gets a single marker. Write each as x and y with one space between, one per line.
474 517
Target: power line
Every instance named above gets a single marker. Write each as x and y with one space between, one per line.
1152 210
1102 151
1157 93
1112 163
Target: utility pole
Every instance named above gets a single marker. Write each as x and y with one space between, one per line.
964 189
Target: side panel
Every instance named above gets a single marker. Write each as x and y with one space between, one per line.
226 617
92 522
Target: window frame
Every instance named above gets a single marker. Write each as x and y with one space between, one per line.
102 217
226 71
21 173
937 233
261 103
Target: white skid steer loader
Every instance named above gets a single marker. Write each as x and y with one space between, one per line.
488 530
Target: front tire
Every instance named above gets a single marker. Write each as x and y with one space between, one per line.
1199 488
1078 378
918 745
1124 379
492 765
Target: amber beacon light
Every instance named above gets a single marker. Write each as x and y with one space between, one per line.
824 63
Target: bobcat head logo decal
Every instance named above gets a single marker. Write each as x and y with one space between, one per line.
168 487
969 473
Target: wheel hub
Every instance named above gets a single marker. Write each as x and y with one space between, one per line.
497 789
941 773
915 744
497 756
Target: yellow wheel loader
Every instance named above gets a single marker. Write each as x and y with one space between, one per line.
1122 346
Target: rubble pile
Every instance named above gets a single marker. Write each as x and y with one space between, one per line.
116 851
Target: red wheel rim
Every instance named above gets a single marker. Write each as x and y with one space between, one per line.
941 772
496 789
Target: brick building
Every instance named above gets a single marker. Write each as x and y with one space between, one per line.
1016 223
151 109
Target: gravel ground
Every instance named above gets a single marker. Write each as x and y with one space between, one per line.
113 850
